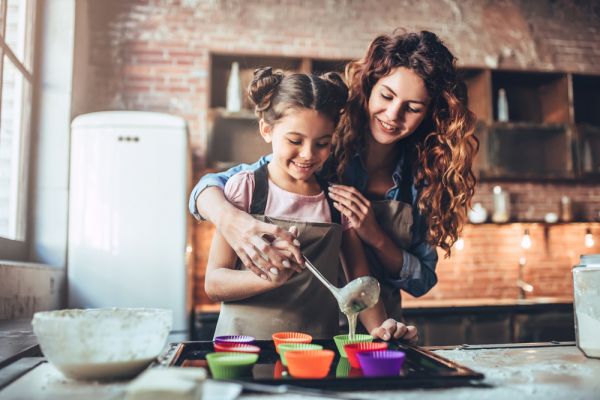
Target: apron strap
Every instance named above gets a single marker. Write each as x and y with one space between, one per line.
336 217
261 192
406 195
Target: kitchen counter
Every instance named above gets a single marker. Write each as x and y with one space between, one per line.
16 336
554 372
484 302
415 304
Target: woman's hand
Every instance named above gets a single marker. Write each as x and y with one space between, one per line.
351 203
397 330
264 249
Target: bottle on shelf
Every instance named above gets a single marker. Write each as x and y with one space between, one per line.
501 205
566 209
234 89
502 106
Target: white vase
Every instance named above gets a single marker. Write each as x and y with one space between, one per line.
234 89
502 106
501 205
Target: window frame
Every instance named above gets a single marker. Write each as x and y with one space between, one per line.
17 249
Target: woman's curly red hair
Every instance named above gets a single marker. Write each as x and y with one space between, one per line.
441 149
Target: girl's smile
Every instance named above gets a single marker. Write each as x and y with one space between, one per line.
301 142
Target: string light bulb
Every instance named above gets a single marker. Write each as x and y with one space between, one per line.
526 240
460 244
589 239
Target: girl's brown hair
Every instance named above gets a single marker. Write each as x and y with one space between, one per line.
274 93
442 148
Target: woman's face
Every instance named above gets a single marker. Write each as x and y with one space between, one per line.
301 142
398 104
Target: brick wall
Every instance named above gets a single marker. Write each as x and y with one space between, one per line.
154 55
488 265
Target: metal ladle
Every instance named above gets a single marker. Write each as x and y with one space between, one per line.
358 295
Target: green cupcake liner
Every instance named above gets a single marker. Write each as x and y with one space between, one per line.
296 346
343 368
342 340
226 365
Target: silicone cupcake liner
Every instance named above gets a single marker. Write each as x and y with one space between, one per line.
226 365
353 348
342 340
381 363
236 348
234 339
290 337
343 368
313 364
284 347
278 370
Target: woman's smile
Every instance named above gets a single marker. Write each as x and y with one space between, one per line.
391 128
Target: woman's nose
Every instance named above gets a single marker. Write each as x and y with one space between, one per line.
394 111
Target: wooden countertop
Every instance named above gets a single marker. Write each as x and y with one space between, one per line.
422 304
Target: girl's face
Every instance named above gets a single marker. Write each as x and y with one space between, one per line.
398 104
301 142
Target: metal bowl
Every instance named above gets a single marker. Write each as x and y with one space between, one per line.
102 344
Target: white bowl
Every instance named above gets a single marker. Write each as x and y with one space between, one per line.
100 344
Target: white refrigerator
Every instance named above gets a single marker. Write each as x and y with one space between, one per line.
129 227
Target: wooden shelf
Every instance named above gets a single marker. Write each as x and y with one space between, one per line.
586 99
529 150
533 97
553 133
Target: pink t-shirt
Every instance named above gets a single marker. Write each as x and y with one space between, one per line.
280 203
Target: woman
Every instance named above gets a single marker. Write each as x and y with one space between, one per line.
403 154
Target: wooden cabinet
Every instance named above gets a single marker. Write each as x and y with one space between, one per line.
441 326
552 132
586 105
553 127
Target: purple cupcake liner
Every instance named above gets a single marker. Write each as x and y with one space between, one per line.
381 363
234 339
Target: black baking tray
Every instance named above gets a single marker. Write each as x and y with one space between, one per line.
422 368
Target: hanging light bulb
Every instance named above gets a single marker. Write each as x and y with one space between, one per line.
460 244
526 241
589 239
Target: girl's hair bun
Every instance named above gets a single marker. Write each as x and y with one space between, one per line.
263 86
339 93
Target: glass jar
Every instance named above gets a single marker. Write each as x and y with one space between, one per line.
586 293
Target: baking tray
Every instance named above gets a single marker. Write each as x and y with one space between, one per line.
422 368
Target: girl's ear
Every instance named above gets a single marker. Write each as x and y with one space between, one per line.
265 130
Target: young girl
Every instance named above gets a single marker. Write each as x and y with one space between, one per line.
297 115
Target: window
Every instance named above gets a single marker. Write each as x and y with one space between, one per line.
17 19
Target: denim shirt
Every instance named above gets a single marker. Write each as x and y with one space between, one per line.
417 275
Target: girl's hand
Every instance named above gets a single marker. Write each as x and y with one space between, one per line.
397 330
351 203
253 240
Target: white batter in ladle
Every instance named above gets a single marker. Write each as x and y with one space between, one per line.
358 295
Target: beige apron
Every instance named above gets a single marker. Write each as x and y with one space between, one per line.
303 303
396 220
